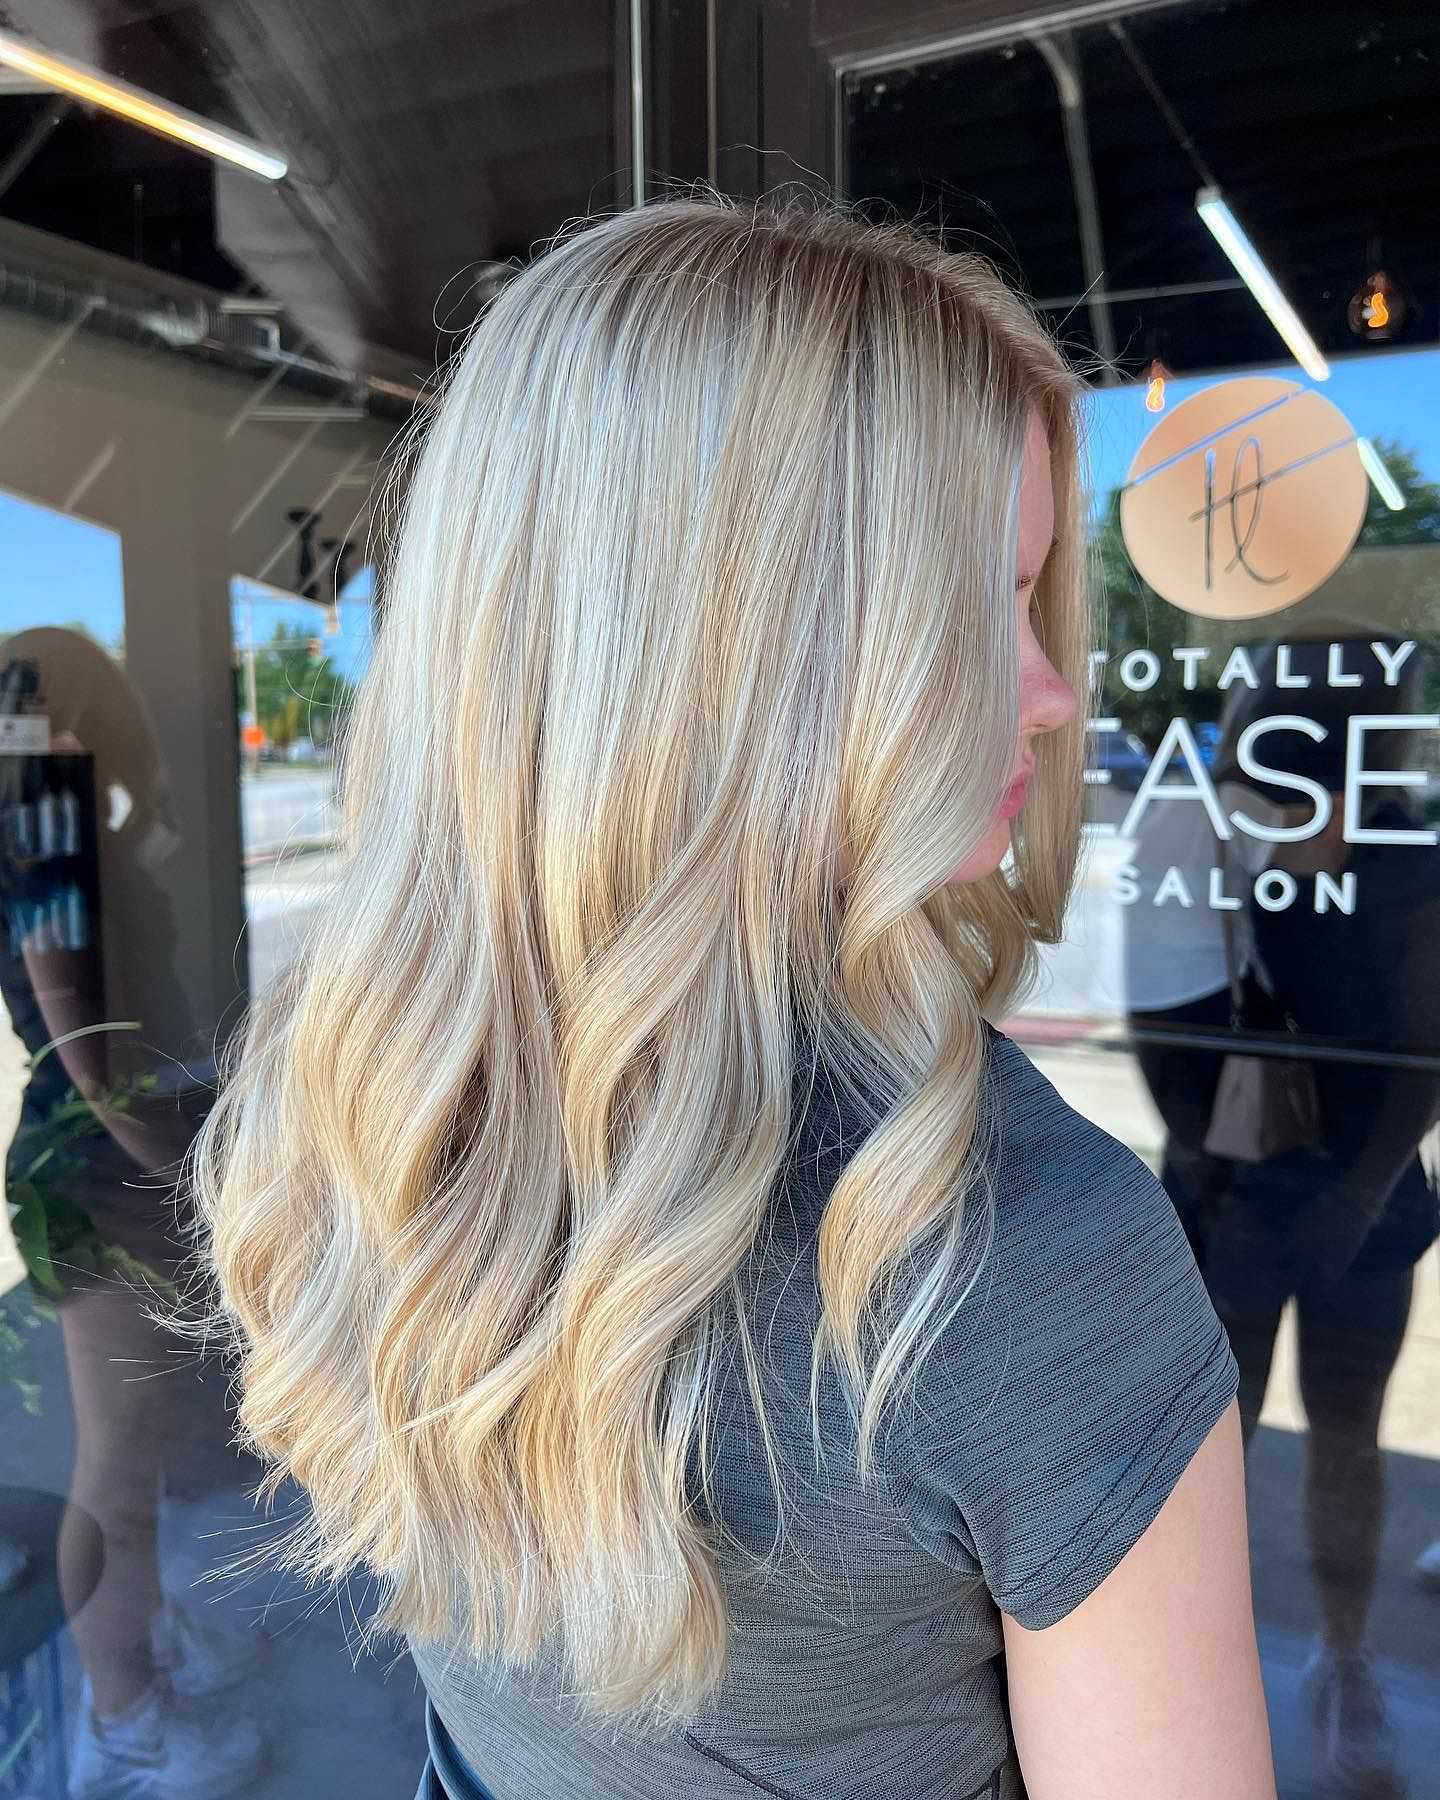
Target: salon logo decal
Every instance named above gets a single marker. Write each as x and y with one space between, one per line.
1244 499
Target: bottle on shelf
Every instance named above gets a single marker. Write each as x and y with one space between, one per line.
77 924
69 823
47 824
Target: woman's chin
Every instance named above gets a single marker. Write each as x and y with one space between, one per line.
985 858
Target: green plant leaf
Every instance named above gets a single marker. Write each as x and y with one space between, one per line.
137 1270
31 1226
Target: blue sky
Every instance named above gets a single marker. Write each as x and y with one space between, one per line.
60 570
348 650
1393 395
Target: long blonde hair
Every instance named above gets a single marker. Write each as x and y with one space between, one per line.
704 582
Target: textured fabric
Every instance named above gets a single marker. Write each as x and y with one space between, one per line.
1049 1424
446 1775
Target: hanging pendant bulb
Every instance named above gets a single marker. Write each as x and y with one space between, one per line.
1377 309
1155 378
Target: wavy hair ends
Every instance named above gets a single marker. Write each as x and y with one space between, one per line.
703 591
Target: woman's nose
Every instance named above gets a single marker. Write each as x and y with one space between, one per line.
1047 701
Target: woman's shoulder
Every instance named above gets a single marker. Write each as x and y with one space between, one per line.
1085 1264
1053 1171
1069 1389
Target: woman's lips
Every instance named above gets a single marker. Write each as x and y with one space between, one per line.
1014 796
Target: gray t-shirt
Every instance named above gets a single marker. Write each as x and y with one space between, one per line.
1047 1428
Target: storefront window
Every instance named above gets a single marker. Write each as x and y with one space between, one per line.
1261 870
210 353
218 326
298 664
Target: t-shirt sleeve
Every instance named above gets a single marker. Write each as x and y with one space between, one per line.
1072 1387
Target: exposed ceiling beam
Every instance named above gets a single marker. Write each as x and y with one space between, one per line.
1058 50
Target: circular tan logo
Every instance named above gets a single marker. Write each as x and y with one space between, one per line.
1244 499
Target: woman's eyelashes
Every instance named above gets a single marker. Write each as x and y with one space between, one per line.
1029 603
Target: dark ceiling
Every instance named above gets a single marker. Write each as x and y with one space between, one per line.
426 138
429 138
1320 121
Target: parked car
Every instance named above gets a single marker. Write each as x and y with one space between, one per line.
1207 736
1123 754
1127 759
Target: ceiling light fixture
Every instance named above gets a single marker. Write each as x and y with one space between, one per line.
1381 479
1376 311
1225 228
140 108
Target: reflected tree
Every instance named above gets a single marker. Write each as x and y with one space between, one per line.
299 692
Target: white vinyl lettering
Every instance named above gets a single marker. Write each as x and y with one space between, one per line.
1140 671
1220 901
1275 890
1190 657
1172 887
1251 764
1393 661
1335 669
1284 675
1358 777
1178 736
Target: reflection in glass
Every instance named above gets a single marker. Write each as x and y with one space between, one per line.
102 1125
298 663
1337 944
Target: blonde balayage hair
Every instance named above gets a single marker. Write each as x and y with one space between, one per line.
703 592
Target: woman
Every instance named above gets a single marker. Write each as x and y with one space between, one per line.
732 1355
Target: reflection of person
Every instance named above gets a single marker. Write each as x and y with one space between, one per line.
1340 1225
1180 955
91 704
98 1178
534 1206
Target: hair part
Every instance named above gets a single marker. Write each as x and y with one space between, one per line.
705 577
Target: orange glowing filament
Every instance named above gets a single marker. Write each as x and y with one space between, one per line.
1377 313
1155 395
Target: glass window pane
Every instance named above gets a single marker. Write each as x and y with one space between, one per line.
207 374
1260 869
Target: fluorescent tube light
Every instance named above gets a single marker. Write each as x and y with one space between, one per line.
140 108
1380 477
1225 228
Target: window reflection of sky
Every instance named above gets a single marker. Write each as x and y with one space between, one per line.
1393 395
348 650
56 569
59 570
